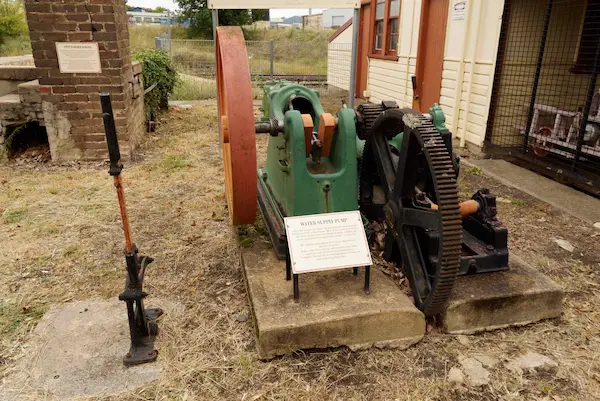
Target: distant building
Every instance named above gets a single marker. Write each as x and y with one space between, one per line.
314 21
291 22
146 18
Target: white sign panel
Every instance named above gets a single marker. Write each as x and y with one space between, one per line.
459 10
327 241
240 4
78 57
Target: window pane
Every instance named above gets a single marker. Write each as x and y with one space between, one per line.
380 10
378 35
393 40
378 42
394 8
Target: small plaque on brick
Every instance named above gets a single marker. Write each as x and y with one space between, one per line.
78 57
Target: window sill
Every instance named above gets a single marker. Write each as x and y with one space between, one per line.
384 57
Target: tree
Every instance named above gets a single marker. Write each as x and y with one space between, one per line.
260 15
12 20
200 17
160 9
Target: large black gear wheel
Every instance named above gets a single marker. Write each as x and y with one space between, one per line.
423 169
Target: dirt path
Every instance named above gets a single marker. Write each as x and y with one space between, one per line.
61 241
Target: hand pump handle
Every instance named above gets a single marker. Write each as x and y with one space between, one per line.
115 165
111 135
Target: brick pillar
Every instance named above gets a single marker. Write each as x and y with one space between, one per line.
71 101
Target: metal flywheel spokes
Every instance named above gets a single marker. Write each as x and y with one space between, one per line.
413 180
237 124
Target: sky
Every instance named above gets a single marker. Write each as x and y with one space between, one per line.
172 5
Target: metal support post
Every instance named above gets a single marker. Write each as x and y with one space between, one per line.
288 264
367 288
354 60
296 289
588 106
271 53
538 71
215 23
170 38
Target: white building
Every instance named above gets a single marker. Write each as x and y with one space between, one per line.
336 17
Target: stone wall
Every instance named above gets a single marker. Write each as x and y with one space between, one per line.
19 108
70 102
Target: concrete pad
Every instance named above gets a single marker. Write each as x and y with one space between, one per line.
77 350
333 310
562 197
515 297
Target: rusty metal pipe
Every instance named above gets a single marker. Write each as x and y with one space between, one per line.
124 216
467 207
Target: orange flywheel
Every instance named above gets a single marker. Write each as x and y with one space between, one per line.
237 124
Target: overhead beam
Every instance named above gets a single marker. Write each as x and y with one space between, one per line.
254 4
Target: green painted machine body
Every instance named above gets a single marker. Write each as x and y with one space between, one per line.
298 184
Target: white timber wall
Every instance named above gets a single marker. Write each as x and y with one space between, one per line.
339 59
391 80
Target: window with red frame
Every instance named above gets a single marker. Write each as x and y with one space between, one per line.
386 25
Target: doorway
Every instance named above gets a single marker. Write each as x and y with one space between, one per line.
430 54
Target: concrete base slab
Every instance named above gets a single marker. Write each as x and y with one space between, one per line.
516 297
77 350
333 309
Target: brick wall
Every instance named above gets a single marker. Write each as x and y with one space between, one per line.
71 102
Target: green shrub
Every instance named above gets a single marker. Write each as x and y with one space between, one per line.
157 69
12 19
15 46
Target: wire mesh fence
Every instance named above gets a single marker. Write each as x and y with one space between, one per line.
320 66
546 105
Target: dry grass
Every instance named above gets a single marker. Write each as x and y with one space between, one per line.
62 241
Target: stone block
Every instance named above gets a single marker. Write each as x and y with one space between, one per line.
515 297
333 310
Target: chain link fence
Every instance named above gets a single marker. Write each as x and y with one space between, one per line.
317 65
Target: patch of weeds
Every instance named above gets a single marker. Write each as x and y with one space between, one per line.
172 163
518 202
249 233
13 216
246 236
246 365
546 389
13 316
473 170
71 250
53 191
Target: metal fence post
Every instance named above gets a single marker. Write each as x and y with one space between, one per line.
215 23
538 71
271 51
354 58
588 106
170 37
